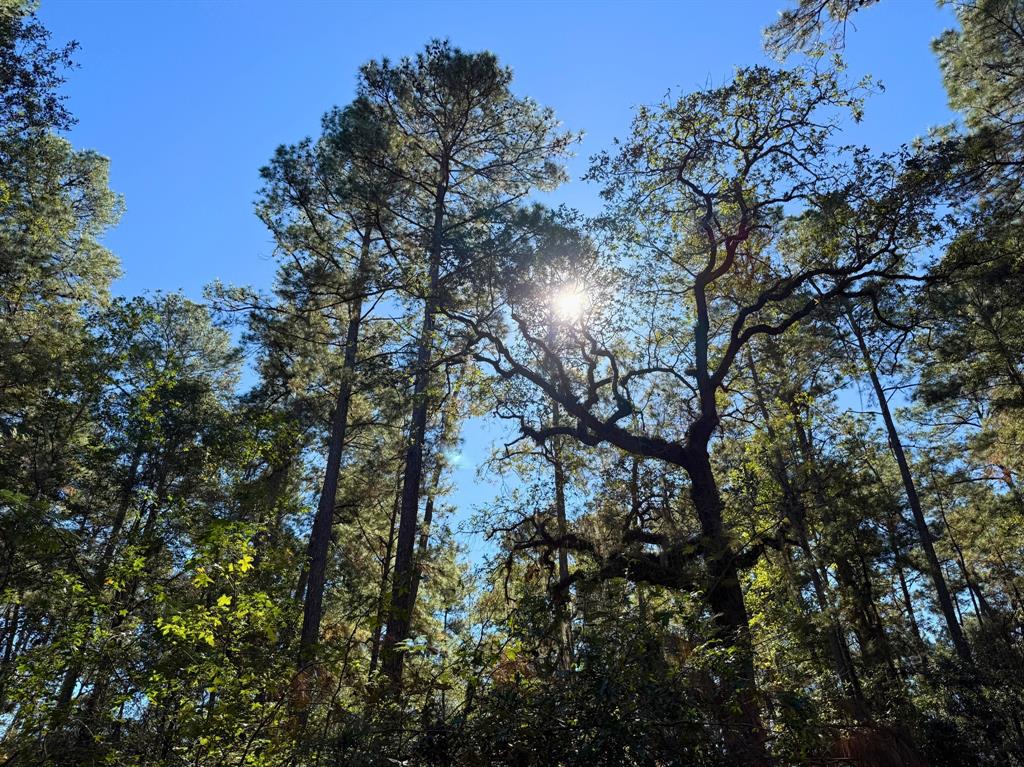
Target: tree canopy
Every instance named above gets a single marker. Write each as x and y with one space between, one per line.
226 533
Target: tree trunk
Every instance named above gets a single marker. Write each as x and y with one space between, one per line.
565 649
796 512
127 491
908 604
744 733
982 608
400 615
11 622
424 542
320 536
870 634
385 572
75 665
401 591
924 534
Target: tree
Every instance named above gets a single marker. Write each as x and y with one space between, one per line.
706 182
54 207
981 67
812 24
325 205
704 549
924 534
468 149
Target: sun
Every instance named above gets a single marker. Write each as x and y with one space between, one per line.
570 302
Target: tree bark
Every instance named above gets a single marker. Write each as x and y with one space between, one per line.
982 607
745 737
424 543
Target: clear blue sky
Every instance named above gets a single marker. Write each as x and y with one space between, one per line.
189 99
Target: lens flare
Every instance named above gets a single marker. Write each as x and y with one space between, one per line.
570 303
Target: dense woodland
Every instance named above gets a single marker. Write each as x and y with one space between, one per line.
762 497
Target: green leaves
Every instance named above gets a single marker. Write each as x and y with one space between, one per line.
734 554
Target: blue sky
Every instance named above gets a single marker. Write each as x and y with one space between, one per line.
189 99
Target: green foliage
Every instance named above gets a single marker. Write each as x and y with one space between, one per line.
707 550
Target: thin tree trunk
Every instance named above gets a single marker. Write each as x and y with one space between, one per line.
797 514
320 536
424 542
946 606
385 572
1009 576
982 608
75 666
449 414
871 636
908 602
565 649
127 491
401 592
11 630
